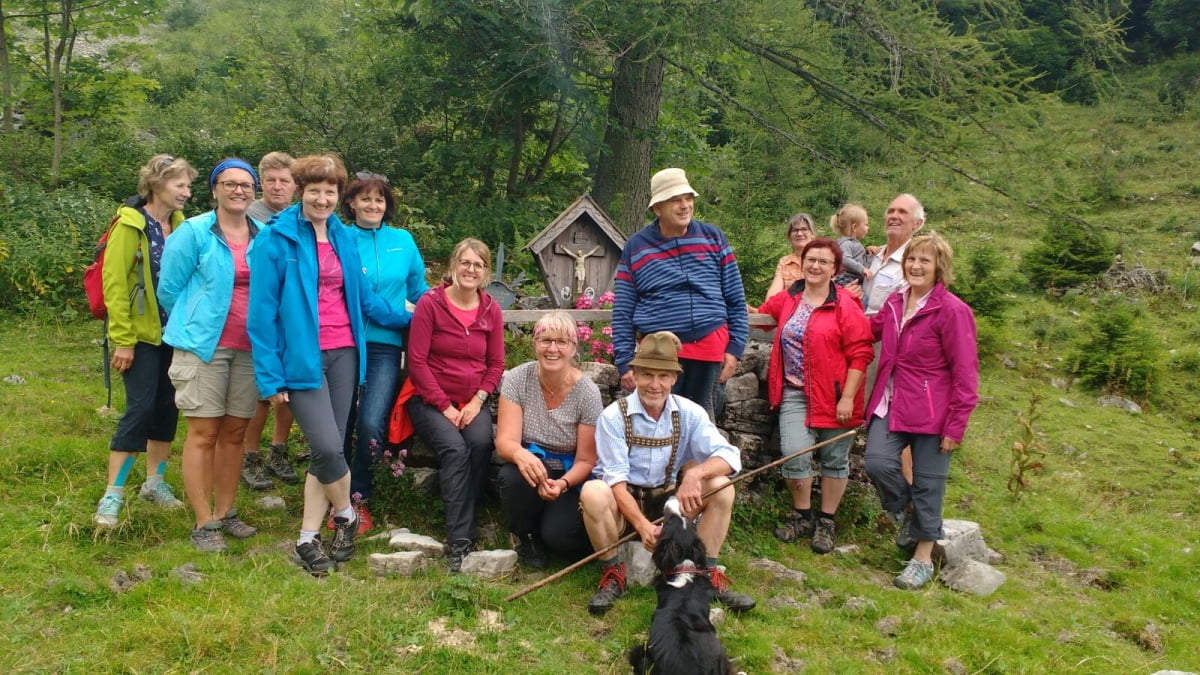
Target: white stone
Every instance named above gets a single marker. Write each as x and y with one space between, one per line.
963 542
973 577
490 564
270 503
716 615
639 568
741 388
1067 402
848 549
403 563
418 542
1196 248
780 570
1120 402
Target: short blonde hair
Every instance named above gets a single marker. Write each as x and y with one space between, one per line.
275 160
327 168
478 248
844 221
557 321
943 255
161 169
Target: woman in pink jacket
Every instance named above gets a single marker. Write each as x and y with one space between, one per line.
927 386
821 350
455 358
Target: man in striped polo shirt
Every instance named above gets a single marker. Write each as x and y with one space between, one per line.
680 274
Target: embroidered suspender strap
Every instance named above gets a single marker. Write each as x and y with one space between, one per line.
632 439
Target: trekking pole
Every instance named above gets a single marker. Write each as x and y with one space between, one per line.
107 364
629 537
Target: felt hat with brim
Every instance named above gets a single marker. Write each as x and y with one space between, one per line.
669 183
658 351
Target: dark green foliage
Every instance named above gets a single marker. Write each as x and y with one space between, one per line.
1121 355
1068 254
46 239
983 286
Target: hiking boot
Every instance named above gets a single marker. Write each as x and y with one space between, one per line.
612 587
279 463
365 524
915 575
341 548
459 550
902 519
736 602
311 556
531 552
254 475
797 527
236 527
208 539
108 510
160 495
304 453
822 541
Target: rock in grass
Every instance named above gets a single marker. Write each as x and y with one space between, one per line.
856 605
888 626
963 542
121 582
14 379
188 573
954 667
786 664
639 568
402 563
780 570
271 503
973 577
1121 403
490 564
418 542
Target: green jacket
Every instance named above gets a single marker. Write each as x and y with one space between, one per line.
132 307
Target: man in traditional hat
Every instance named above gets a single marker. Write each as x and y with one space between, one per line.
680 274
644 443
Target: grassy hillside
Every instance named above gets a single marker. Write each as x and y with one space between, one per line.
1101 551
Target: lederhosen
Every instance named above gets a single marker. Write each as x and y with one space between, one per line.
651 499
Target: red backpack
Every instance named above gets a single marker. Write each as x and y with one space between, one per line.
93 274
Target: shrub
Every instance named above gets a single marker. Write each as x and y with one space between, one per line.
983 287
46 239
1068 254
1121 355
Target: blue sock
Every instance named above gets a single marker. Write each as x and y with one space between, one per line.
155 478
123 472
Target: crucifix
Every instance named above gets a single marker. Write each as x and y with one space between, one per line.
580 257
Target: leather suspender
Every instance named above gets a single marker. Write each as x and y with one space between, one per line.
646 442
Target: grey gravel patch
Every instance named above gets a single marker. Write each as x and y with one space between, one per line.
142 573
883 654
859 605
121 582
786 664
780 570
188 573
954 667
888 625
786 601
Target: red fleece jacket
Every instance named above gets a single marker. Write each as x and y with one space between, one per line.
448 363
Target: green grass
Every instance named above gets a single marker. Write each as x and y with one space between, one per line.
1104 542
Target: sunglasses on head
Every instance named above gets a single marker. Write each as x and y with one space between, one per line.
367 175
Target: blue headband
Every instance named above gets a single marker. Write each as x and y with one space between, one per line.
231 163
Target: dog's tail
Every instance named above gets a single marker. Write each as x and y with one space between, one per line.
640 660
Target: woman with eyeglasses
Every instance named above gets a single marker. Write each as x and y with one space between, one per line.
546 432
455 359
815 375
206 278
800 232
132 261
395 271
310 297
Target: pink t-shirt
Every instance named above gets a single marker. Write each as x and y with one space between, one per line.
465 316
233 336
331 300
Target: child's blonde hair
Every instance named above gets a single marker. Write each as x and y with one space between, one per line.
844 221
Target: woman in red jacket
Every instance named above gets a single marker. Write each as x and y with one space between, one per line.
455 358
927 386
822 349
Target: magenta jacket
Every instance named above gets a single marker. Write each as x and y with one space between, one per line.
932 363
449 363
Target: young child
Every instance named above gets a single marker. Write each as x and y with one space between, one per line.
850 223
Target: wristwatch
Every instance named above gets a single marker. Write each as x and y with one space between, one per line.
482 396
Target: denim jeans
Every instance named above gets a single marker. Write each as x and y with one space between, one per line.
834 459
369 418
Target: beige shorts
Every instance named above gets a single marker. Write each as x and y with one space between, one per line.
223 387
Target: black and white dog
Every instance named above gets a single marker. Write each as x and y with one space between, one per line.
682 639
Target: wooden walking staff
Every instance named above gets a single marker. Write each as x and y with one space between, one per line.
629 537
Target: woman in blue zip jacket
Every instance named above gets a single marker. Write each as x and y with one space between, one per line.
396 272
310 295
204 287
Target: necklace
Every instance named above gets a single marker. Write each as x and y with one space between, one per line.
554 393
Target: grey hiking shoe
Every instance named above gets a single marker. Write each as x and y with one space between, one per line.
279 463
236 527
341 548
612 588
254 473
915 575
901 520
311 556
208 538
160 495
108 511
795 528
823 535
736 602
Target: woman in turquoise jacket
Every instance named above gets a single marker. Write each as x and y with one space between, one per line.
395 271
309 295
205 290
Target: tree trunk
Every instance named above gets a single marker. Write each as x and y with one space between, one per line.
622 185
66 42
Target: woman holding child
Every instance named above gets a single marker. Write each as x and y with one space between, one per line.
546 432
